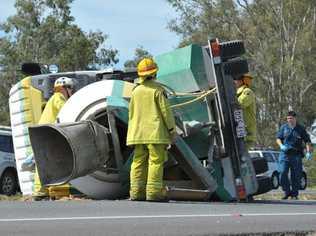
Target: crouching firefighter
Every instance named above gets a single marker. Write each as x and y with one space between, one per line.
151 128
63 88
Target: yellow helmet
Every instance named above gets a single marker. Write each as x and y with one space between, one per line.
147 67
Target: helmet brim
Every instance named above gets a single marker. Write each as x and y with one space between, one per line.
147 73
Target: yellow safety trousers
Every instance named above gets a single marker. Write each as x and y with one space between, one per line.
39 190
53 192
146 176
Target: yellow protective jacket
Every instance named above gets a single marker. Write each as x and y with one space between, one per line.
247 101
150 118
52 108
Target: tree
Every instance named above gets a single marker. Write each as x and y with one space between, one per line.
280 40
139 54
44 31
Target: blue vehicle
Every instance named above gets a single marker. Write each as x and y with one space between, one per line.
9 183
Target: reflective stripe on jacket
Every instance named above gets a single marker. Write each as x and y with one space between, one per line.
150 117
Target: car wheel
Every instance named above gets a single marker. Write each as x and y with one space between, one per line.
275 182
9 183
303 182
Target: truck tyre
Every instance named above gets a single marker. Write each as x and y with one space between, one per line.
236 67
232 49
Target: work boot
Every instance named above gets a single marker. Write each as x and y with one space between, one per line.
286 196
158 200
136 199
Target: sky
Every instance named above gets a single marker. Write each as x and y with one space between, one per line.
129 24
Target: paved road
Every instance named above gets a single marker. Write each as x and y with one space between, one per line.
89 217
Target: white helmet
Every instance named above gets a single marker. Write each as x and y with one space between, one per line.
64 82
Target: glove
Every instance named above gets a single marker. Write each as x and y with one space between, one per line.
283 148
309 156
28 164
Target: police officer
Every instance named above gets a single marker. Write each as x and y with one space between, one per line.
290 138
151 128
247 101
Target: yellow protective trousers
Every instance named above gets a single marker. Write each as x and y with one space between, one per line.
54 192
146 175
39 190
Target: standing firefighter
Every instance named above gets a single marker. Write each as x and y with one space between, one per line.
247 101
63 88
151 128
290 138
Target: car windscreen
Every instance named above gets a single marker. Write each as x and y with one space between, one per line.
6 144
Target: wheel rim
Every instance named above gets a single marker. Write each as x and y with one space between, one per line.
7 184
303 182
275 181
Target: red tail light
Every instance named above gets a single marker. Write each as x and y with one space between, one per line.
241 191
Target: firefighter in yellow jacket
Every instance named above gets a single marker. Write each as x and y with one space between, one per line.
63 88
151 128
247 101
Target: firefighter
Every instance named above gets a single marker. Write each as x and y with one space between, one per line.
247 100
63 88
151 128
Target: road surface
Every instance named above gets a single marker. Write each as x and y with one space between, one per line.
88 217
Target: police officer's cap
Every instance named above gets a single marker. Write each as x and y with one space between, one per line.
291 113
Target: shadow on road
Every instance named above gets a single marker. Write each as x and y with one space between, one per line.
287 202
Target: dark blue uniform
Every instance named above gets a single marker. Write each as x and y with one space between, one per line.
294 138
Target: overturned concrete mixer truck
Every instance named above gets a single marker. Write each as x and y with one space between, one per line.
87 149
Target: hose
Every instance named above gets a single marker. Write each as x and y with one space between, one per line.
203 95
174 93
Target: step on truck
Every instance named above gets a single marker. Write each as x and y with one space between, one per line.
87 149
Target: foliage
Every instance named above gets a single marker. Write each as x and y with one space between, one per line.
279 36
311 171
140 53
44 31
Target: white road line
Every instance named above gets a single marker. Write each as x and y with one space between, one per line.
157 216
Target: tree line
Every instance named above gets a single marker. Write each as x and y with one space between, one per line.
44 31
279 36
